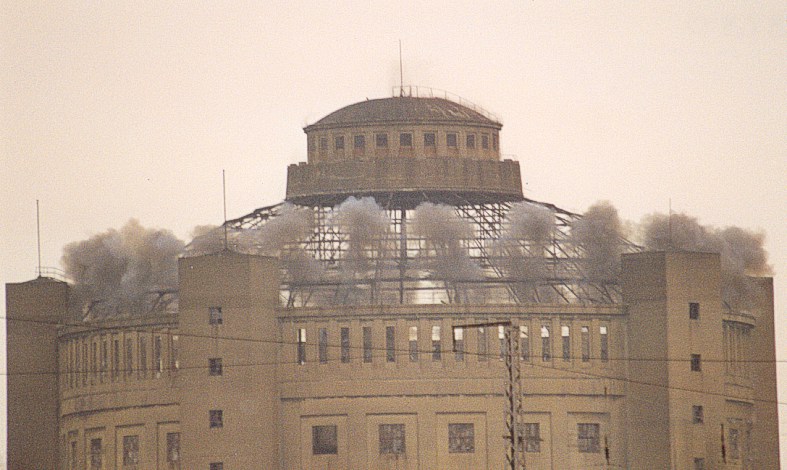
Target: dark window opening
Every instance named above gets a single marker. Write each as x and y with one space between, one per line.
96 454
696 363
367 344
566 342
214 316
405 139
323 143
215 366
130 452
301 346
585 344
381 140
359 142
450 140
216 418
413 340
323 346
588 437
485 142
338 142
324 440
436 344
482 344
459 344
345 340
470 141
461 438
217 466
495 141
697 414
390 344
173 450
694 311
429 139
392 439
546 347
604 343
531 434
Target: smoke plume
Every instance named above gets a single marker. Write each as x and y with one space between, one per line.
742 252
444 231
364 222
289 226
116 271
600 234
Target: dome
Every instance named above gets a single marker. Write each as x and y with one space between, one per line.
404 109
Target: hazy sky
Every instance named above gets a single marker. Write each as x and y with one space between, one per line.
113 110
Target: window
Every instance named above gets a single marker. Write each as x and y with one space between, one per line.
381 140
484 141
84 363
482 344
470 141
367 344
322 349
461 438
531 434
392 439
733 446
323 143
696 363
429 139
301 337
495 141
214 316
143 356
390 344
585 344
694 311
216 466
310 143
158 362
115 359
564 333
129 356
345 340
174 361
215 366
324 440
436 346
697 414
450 140
73 455
93 362
216 418
338 142
546 350
104 359
699 463
501 338
173 450
96 454
604 343
359 142
405 139
413 340
130 452
524 343
588 437
459 344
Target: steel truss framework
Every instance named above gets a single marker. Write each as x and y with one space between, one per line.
400 267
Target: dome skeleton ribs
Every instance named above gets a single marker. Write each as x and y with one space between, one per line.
399 261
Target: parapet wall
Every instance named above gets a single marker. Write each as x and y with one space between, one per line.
476 180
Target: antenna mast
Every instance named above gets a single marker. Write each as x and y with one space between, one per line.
224 193
401 73
38 235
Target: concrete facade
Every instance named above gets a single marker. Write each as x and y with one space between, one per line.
665 377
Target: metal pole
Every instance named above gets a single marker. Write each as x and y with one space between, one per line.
38 237
224 195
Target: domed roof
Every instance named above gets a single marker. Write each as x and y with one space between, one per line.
403 109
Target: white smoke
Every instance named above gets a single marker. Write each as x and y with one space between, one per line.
119 269
600 234
364 223
444 232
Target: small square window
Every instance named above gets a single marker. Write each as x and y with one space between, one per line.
589 437
405 139
696 363
429 139
381 140
130 452
359 141
338 142
485 142
699 463
450 140
217 466
216 418
324 440
214 366
470 141
214 316
323 143
697 414
694 311
531 434
392 439
461 438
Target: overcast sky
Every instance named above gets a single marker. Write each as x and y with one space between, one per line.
113 110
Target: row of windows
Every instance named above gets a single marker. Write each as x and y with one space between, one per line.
461 438
130 457
381 141
112 358
458 344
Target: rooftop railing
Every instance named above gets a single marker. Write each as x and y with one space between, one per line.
429 92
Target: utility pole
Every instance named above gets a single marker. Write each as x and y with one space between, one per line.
515 451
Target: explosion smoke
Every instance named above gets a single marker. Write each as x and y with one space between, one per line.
364 222
121 268
742 252
289 226
444 231
600 233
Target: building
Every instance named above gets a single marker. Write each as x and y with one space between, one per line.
337 331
